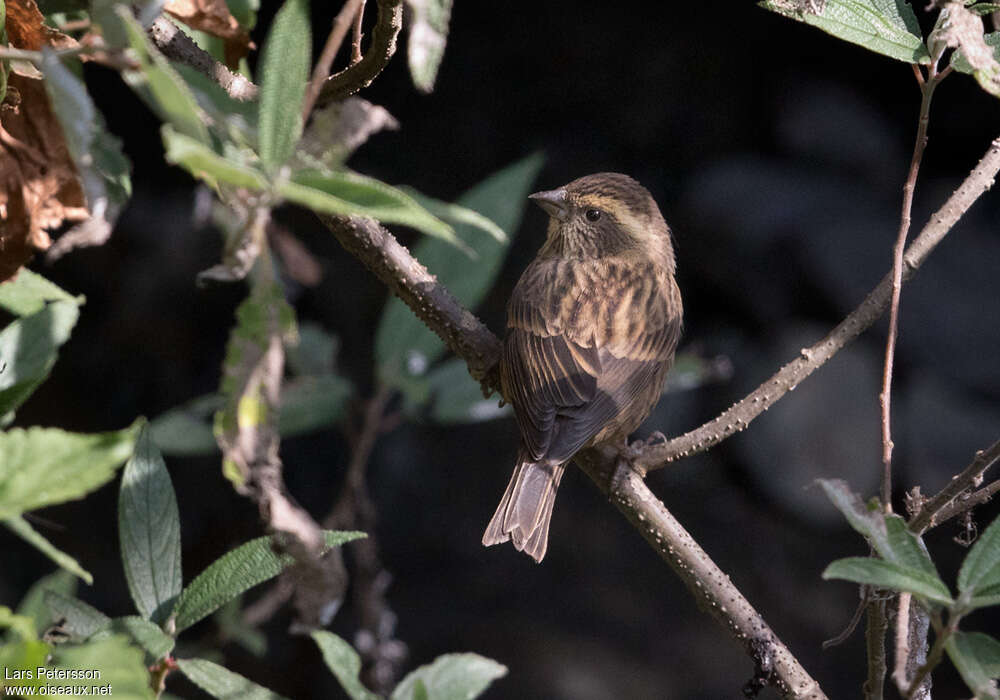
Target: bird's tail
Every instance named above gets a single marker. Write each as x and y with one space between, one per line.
526 508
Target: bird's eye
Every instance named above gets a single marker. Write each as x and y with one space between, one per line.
593 214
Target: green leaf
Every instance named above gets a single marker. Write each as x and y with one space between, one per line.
884 574
28 350
80 620
984 8
149 529
458 398
348 193
456 214
312 403
428 36
245 12
186 431
33 603
145 633
315 353
232 119
345 664
220 682
980 571
120 665
451 677
404 346
206 164
232 627
43 466
21 653
23 529
888 27
28 293
103 167
160 85
977 658
235 572
284 72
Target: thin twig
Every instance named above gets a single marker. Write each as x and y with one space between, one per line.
859 612
931 512
878 623
383 45
901 654
788 377
178 46
338 32
885 398
356 34
963 504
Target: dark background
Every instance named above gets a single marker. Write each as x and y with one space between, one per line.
777 154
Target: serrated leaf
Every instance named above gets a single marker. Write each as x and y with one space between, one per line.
284 71
980 571
160 86
28 351
149 530
206 164
33 603
79 619
219 682
344 663
428 36
451 677
120 665
145 633
43 466
885 574
23 529
458 398
346 193
888 27
977 658
404 346
235 572
29 292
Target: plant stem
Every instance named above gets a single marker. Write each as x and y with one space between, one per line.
885 399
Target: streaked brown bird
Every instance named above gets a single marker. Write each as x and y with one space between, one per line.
592 326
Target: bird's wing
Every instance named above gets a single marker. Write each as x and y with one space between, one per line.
568 378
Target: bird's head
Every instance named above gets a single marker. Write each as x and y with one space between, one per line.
602 215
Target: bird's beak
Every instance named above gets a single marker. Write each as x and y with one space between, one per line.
553 202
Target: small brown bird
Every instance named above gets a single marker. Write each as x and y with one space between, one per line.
592 326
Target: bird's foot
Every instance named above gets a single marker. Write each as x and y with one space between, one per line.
657 438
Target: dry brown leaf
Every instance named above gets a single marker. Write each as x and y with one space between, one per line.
26 28
39 185
213 17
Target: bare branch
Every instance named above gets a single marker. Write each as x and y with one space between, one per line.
178 46
383 45
788 377
885 399
338 32
933 511
878 623
356 34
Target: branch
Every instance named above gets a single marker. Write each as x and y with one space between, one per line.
383 45
885 398
933 511
788 377
338 32
178 46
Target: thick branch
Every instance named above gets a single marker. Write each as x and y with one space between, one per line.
383 45
462 332
710 586
788 377
178 46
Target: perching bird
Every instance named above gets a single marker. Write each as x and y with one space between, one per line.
592 326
